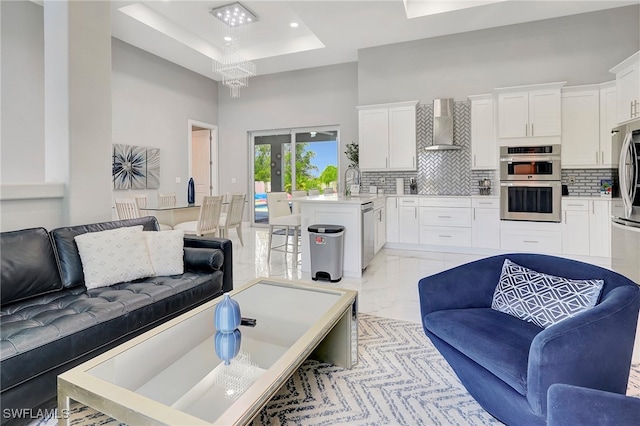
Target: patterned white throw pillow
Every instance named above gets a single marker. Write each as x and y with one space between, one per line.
540 298
166 249
113 256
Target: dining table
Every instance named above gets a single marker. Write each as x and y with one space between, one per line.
172 215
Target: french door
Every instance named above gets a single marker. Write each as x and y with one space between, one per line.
275 167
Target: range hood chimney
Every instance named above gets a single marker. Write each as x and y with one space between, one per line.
442 126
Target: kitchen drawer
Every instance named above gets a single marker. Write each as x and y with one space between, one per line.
486 203
408 201
441 216
582 205
445 202
445 236
531 242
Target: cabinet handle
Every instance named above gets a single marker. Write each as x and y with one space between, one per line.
596 157
530 241
565 218
526 129
631 109
532 134
474 214
444 217
593 208
444 236
415 212
483 202
413 160
602 156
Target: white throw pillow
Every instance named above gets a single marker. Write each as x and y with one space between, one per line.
113 256
166 249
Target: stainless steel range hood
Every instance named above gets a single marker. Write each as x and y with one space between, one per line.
442 126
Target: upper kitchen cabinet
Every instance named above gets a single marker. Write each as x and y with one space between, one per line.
588 115
387 136
483 135
581 126
628 87
529 111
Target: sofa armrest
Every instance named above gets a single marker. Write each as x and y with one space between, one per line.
203 259
217 243
466 286
573 405
592 349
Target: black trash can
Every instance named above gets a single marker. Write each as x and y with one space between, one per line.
326 251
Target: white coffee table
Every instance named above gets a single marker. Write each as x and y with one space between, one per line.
171 374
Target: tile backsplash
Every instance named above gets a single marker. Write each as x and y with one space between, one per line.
587 180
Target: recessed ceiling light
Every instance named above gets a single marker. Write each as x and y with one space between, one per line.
227 38
293 25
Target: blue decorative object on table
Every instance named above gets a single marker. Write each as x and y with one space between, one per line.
227 345
227 315
191 192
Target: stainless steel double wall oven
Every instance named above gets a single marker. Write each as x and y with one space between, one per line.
530 183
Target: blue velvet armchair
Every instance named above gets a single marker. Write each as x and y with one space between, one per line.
508 364
573 405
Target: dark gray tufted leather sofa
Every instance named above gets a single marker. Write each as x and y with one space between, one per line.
49 321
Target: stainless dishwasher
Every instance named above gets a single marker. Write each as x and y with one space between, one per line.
367 234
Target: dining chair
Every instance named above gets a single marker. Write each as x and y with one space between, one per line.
141 200
127 208
281 218
167 200
233 218
328 191
295 207
208 219
314 192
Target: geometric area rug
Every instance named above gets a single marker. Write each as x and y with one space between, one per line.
400 379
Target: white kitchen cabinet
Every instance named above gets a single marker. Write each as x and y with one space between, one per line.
531 237
581 126
379 236
408 222
575 227
374 138
485 224
529 111
608 120
392 219
483 140
387 135
445 221
600 228
628 87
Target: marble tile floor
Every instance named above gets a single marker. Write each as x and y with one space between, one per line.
388 287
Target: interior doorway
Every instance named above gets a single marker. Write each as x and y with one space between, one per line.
203 158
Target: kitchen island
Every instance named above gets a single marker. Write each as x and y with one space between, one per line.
337 209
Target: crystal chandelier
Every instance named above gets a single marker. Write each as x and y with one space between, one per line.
234 68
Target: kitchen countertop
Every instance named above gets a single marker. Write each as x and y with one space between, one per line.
335 198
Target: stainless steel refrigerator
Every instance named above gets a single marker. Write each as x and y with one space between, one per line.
625 221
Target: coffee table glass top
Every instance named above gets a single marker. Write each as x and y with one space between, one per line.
178 366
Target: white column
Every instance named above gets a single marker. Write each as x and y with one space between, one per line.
78 106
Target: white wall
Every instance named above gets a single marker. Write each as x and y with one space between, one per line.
579 49
152 101
22 92
304 98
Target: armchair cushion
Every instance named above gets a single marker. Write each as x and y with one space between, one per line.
473 333
542 299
